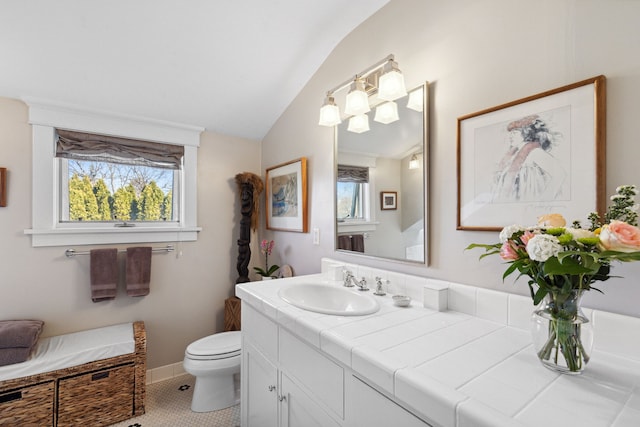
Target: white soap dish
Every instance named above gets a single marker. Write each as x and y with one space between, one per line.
401 300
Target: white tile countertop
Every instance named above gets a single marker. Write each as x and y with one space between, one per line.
472 365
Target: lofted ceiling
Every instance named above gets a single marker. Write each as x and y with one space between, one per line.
230 66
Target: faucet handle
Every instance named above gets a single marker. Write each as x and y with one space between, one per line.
379 289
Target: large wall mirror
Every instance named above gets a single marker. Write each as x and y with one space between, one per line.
381 184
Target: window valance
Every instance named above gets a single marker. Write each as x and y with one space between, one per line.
94 147
347 173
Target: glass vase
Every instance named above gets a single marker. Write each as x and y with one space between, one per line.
562 334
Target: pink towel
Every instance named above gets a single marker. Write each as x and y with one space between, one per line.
138 271
104 274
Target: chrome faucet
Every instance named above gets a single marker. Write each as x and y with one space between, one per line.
350 280
347 277
379 288
362 284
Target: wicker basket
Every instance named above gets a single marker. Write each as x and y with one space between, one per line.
232 314
97 393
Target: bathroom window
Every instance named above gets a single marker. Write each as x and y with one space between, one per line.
351 200
117 181
85 195
111 192
352 193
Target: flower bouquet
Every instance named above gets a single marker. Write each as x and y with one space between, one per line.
266 246
562 263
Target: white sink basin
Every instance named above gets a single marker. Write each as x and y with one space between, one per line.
329 299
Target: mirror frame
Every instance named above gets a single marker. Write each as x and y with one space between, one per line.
425 187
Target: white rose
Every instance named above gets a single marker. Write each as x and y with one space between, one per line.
509 231
541 247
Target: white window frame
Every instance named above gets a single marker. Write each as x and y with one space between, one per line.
46 230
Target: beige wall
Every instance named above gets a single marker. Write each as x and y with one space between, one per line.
476 54
187 291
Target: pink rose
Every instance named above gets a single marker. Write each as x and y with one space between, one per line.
508 252
620 236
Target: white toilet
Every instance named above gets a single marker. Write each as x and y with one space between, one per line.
214 361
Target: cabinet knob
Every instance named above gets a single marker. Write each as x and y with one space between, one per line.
272 387
282 398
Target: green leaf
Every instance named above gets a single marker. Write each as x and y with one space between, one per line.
569 266
539 296
621 256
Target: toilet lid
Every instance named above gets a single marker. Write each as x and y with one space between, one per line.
217 346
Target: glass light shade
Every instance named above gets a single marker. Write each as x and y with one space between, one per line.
391 86
414 163
416 100
359 123
386 113
357 101
329 115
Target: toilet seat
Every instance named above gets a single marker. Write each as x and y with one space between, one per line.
223 345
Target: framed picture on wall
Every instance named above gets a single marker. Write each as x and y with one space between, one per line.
3 187
537 155
388 200
286 196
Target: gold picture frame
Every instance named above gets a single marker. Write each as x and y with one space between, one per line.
3 187
286 196
552 159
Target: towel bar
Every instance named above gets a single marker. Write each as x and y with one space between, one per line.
72 252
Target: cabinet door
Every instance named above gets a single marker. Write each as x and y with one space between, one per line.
372 409
260 397
299 410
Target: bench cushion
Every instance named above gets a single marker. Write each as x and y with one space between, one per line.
65 351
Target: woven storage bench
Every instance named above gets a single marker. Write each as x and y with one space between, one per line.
96 393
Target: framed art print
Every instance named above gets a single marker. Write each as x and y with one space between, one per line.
286 196
388 200
538 155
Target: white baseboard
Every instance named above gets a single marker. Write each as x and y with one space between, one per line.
165 372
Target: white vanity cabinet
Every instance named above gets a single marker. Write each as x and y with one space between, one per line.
372 409
260 395
278 372
289 383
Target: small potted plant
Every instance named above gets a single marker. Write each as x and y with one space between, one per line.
266 246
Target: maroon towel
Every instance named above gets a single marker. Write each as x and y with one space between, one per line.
104 274
357 243
344 242
19 333
138 271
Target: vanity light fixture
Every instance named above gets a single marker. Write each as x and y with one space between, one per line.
359 123
386 113
391 84
357 101
414 163
416 100
384 79
329 113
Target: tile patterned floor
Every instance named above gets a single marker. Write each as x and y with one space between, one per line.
169 405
